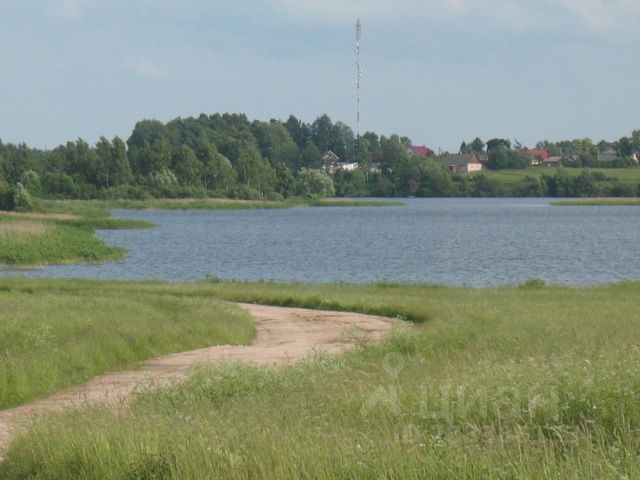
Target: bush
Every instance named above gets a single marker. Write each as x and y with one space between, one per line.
315 184
163 183
6 196
126 192
244 192
191 191
22 200
533 284
60 185
31 181
275 197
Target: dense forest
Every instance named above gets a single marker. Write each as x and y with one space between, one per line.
227 155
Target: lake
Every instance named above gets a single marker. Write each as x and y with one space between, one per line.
475 242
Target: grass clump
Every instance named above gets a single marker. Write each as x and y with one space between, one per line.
37 239
54 338
496 383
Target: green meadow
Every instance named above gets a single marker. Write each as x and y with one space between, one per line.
52 338
529 381
630 176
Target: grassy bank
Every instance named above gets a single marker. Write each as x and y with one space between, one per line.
522 382
53 338
88 206
63 230
599 202
37 239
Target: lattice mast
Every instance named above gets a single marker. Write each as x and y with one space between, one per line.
358 71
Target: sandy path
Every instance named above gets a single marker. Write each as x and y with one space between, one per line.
283 335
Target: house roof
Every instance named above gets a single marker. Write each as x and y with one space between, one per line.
608 155
455 159
538 152
421 151
553 160
330 155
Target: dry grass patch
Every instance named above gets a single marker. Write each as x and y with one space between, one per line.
24 226
45 216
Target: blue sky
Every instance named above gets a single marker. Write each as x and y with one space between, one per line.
438 71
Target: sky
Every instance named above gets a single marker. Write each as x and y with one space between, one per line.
437 71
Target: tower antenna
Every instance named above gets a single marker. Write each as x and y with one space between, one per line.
359 70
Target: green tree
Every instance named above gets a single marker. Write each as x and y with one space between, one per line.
498 158
310 157
285 183
314 184
533 187
435 180
31 182
322 133
253 171
22 200
477 146
217 171
186 166
113 167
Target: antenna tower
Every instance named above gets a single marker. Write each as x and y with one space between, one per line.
359 70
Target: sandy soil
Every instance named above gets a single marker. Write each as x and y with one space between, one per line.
283 336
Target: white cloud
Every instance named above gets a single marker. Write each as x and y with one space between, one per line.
334 9
148 69
603 15
597 15
68 11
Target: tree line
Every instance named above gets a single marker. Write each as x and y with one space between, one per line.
227 155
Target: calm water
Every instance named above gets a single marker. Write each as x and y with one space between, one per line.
452 241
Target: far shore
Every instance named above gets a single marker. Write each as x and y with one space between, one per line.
599 202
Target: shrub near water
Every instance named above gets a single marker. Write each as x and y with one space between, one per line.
498 383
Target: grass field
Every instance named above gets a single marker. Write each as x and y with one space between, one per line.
531 381
53 338
623 175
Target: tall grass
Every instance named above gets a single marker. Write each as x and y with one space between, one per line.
522 382
51 339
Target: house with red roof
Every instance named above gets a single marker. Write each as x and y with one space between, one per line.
537 155
419 151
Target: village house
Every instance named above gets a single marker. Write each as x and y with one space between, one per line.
376 167
462 162
347 167
555 161
419 151
608 155
537 155
330 161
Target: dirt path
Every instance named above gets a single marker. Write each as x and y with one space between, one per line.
283 335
